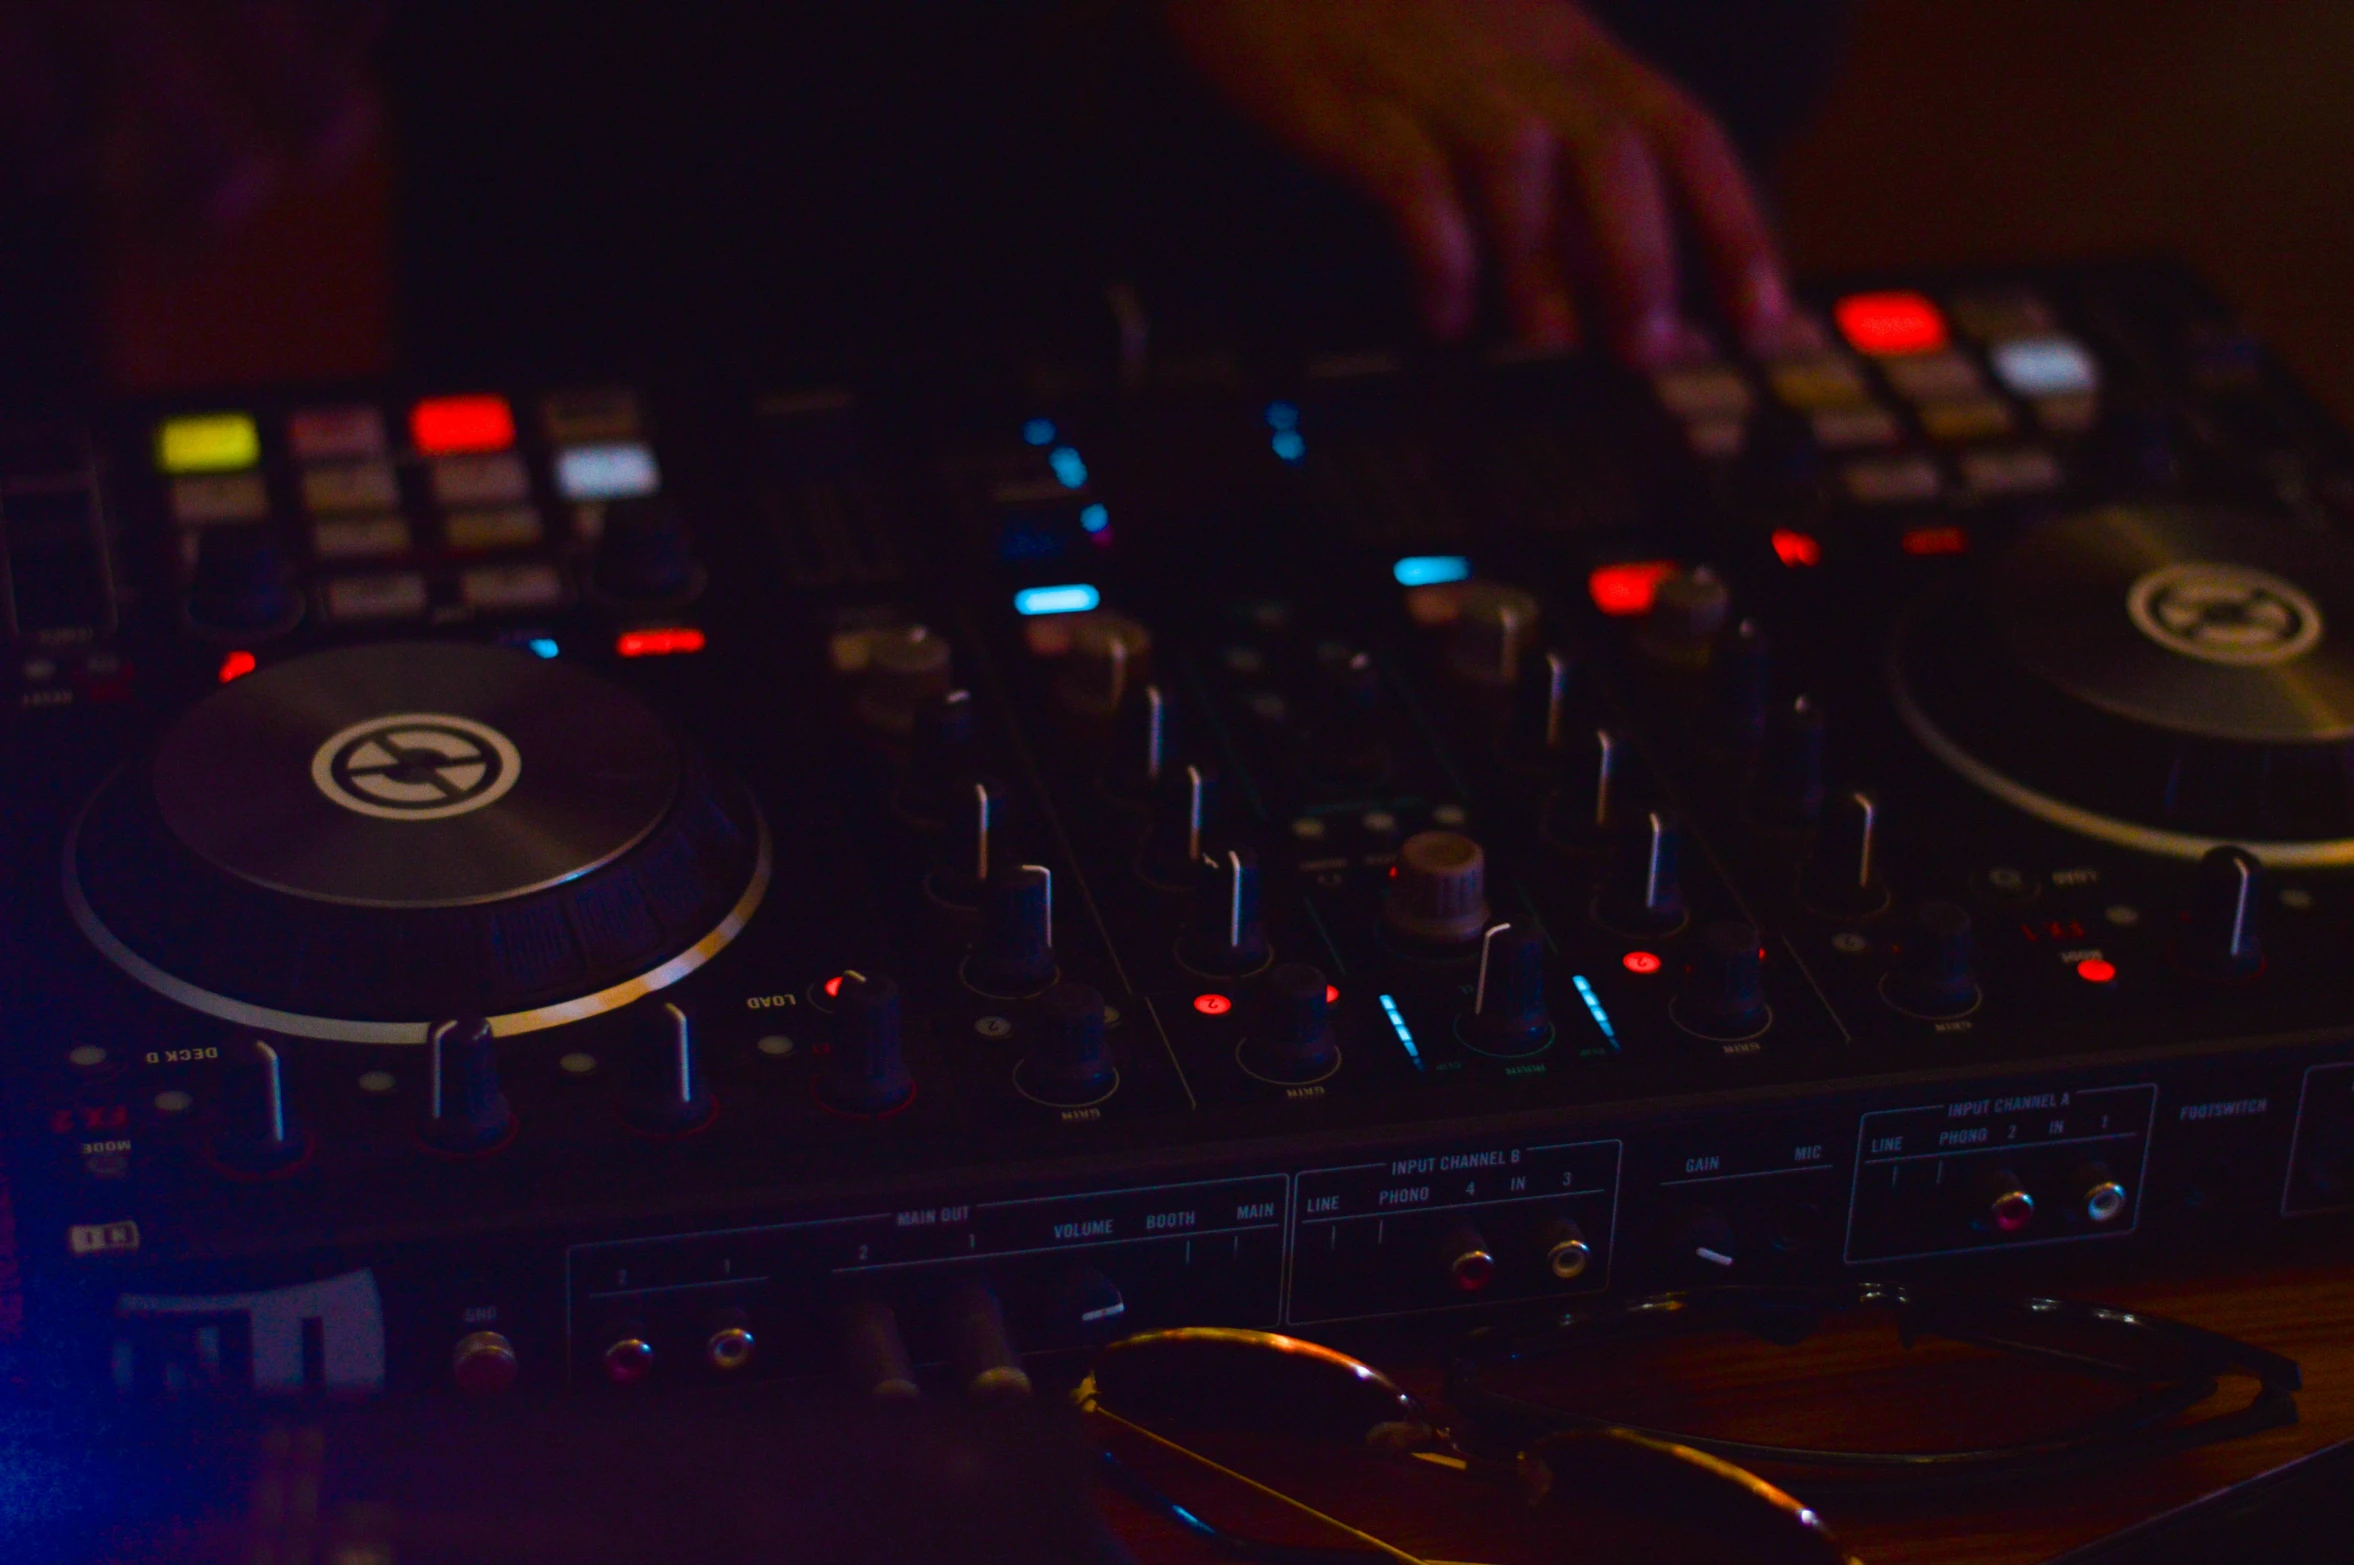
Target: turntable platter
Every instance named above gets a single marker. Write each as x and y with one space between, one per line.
359 842
2163 677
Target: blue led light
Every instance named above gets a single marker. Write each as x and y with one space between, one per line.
1068 467
1389 1008
1288 445
1282 415
2045 366
1075 598
621 471
542 646
1095 519
1428 570
1039 432
1594 1006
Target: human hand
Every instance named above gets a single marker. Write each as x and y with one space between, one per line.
1514 135
187 112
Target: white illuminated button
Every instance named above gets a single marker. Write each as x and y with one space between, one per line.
494 479
396 595
1892 481
2046 367
1933 377
1851 429
350 486
535 585
227 497
511 527
361 537
607 472
332 434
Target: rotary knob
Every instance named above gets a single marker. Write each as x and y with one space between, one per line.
1109 654
2221 941
465 1112
1013 954
1144 743
1184 808
1788 787
259 1133
1291 1035
940 759
1722 996
1347 743
643 558
1936 964
1071 1063
665 1094
1494 627
866 1073
1440 893
971 847
1225 934
1740 673
1508 1010
1644 891
908 667
1842 876
244 585
1685 614
1541 706
1597 781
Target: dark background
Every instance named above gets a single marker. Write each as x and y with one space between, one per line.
1955 132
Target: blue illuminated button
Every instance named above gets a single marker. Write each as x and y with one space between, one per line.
623 470
1095 519
1283 415
1038 432
1428 570
1073 598
2045 367
1068 467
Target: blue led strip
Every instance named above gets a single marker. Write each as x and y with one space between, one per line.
1405 1034
1594 1006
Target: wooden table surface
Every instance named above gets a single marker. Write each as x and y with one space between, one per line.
1851 1382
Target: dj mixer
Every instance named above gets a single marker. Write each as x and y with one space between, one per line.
552 886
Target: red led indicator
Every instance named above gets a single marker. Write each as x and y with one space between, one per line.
1332 994
1797 549
237 665
1212 1004
1936 540
1627 588
2095 971
659 643
443 425
1890 323
834 987
1640 962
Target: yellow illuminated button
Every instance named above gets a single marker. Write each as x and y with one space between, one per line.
207 443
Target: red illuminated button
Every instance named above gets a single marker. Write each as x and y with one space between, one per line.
237 665
1890 323
1640 962
2093 970
1796 549
441 426
1212 1004
1626 589
1332 994
834 987
659 643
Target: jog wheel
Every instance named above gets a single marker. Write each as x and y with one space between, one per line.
356 843
2165 678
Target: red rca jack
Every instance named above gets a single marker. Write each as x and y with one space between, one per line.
627 1359
2004 1202
1470 1266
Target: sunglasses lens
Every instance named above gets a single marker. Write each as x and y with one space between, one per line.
1217 1378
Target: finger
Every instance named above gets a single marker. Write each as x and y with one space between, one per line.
1512 160
1386 154
1717 197
1626 207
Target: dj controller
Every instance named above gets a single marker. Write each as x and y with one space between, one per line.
599 885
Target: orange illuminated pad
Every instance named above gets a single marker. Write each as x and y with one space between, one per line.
1888 324
441 426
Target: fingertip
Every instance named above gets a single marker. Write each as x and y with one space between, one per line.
1761 304
1655 338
